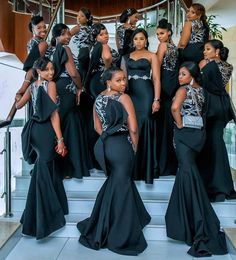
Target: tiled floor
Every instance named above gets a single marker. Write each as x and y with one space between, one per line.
69 249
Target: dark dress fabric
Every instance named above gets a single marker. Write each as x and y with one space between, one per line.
77 163
195 47
213 160
124 36
141 91
46 202
190 216
169 84
119 215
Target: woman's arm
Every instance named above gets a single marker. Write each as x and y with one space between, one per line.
117 36
27 81
55 118
185 35
161 51
179 98
75 30
43 48
156 74
21 101
70 67
132 121
202 64
97 122
106 55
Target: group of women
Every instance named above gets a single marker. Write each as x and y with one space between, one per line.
124 111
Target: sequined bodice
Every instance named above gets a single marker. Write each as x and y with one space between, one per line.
140 68
120 31
198 33
100 106
34 92
225 70
193 105
171 57
32 43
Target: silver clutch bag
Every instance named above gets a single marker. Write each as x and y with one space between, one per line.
192 121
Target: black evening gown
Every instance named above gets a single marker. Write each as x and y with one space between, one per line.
77 163
169 83
124 36
190 216
141 91
46 202
119 215
213 161
194 49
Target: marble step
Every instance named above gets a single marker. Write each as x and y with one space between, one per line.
231 241
155 202
94 183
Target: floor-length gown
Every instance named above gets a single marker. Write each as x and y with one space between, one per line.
141 91
169 84
195 47
190 216
77 163
213 161
119 215
46 202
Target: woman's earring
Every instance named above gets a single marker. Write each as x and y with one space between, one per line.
191 82
39 77
128 21
108 88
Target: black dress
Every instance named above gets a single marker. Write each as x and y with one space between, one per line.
195 47
169 84
124 36
213 160
77 163
141 91
46 202
190 216
119 215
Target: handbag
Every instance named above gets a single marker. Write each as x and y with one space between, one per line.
193 121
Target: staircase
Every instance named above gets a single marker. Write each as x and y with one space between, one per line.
81 196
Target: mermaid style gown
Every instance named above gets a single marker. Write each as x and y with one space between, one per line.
190 216
141 91
46 202
169 84
119 215
77 163
213 161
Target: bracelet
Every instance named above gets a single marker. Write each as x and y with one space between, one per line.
156 100
60 140
27 80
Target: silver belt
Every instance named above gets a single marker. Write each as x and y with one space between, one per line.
138 77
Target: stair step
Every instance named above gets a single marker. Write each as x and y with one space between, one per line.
231 240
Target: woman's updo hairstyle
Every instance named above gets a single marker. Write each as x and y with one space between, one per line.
217 44
140 30
108 74
40 64
126 14
163 24
87 14
96 29
34 21
193 69
57 31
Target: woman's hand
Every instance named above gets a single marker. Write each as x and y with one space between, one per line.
61 149
79 91
18 97
155 106
179 126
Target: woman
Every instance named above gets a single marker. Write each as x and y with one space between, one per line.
190 216
119 215
213 161
36 48
167 55
128 18
46 202
68 83
144 90
81 41
195 33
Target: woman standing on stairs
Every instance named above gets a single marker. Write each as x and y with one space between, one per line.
119 215
46 202
190 216
213 160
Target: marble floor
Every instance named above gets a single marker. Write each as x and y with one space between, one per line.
69 249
